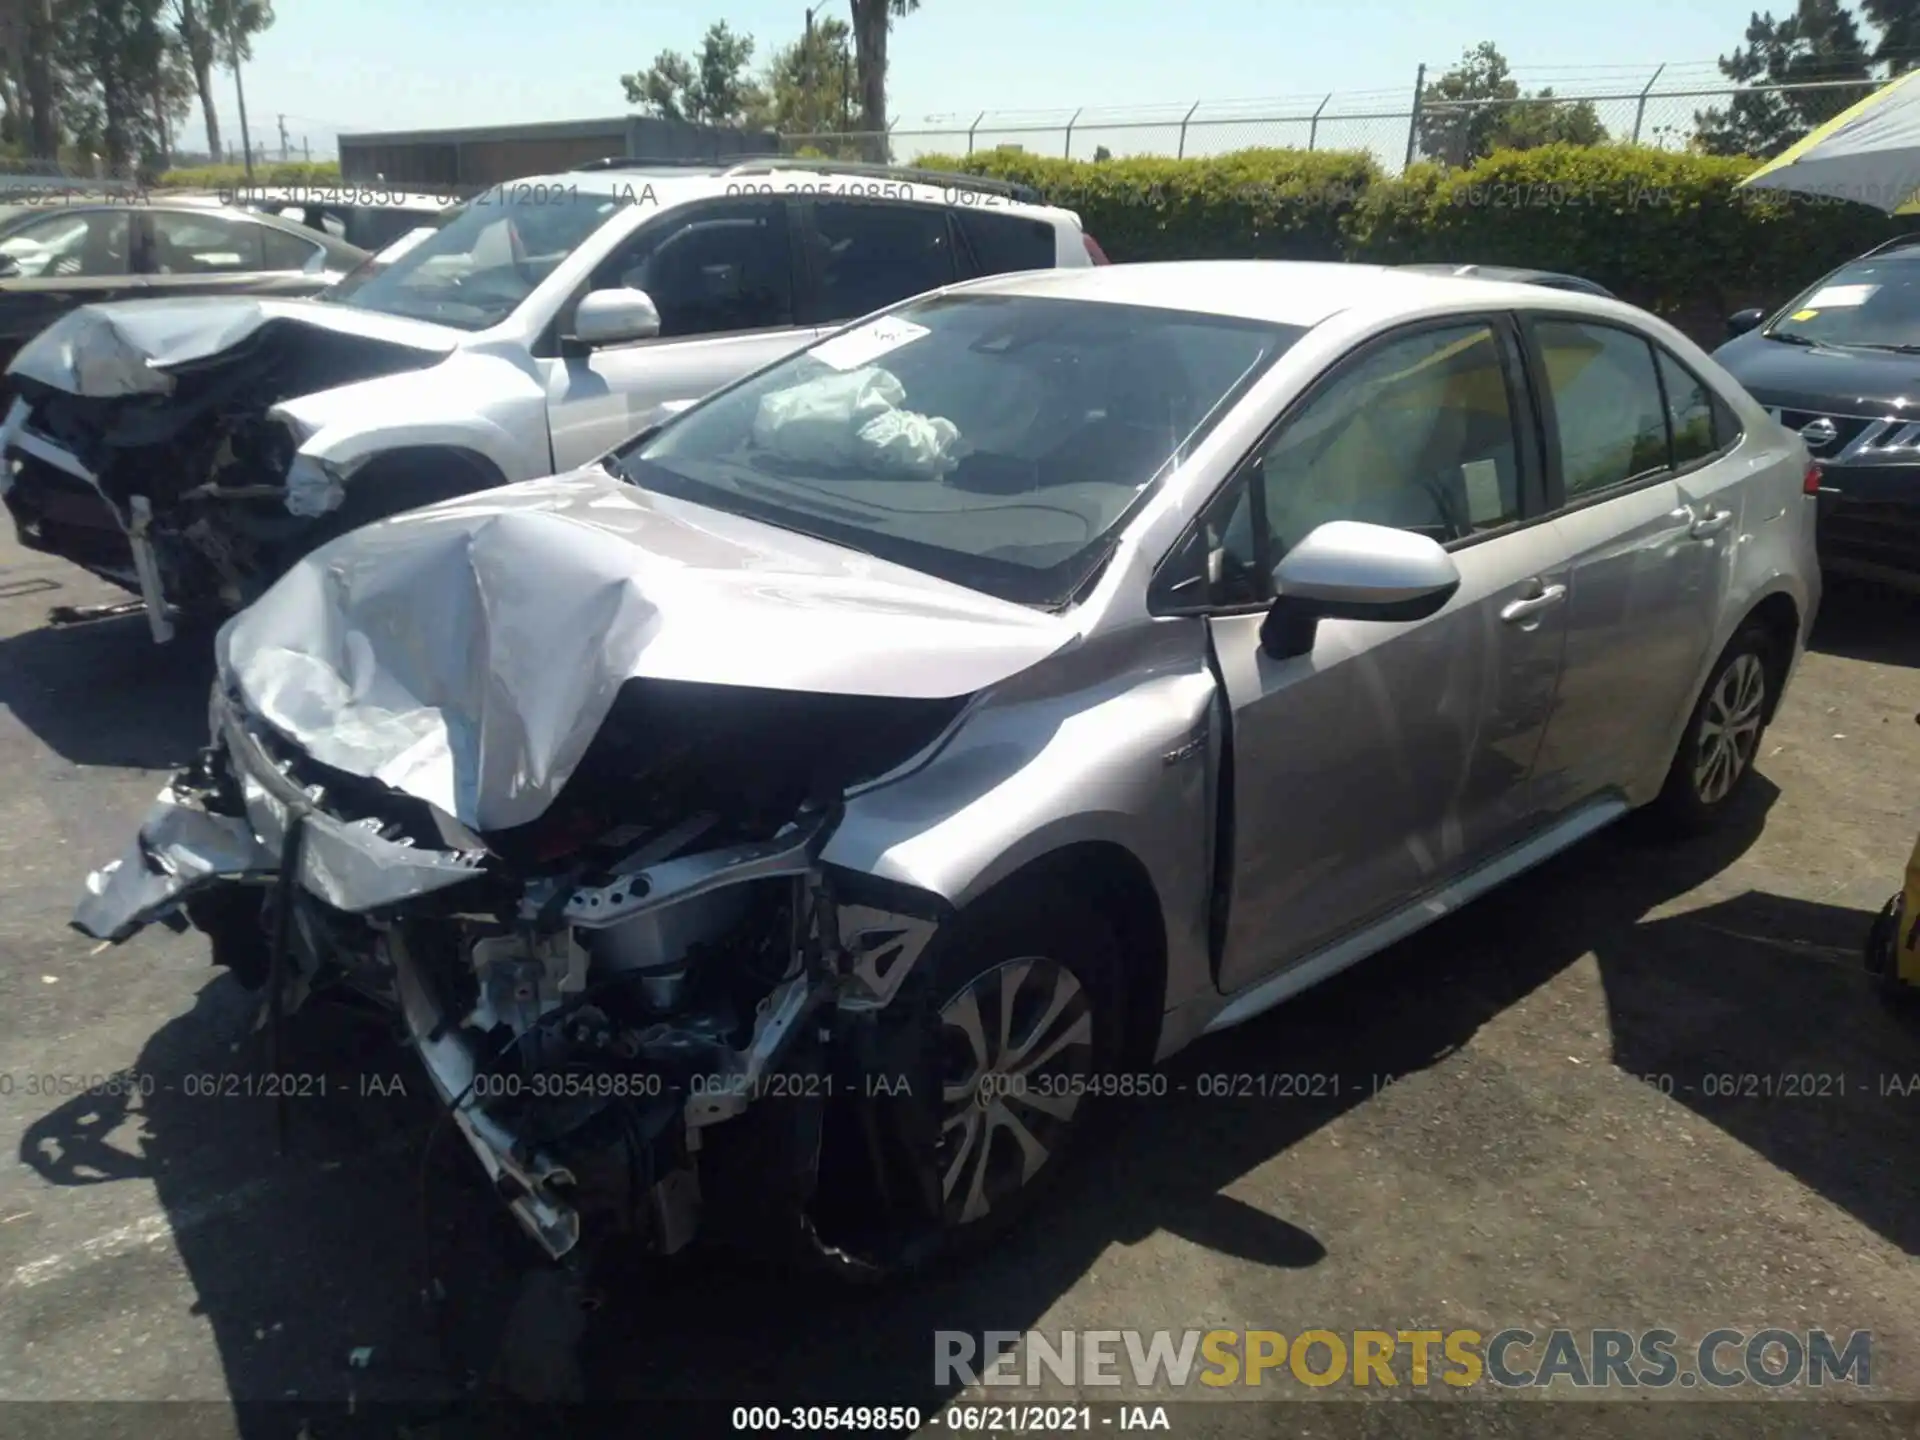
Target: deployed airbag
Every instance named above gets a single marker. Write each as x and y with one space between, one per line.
855 420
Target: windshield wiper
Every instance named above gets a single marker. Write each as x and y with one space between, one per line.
1896 349
1788 337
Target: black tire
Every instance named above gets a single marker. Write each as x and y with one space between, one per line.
386 488
1057 937
1714 762
1883 959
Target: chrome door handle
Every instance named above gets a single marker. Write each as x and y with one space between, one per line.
1532 605
1711 524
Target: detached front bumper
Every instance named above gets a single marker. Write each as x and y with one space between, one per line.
190 841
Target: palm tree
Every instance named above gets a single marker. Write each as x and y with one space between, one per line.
872 19
197 39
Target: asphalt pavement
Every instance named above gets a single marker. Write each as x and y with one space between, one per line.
1647 1085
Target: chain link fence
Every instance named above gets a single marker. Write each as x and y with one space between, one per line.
1392 126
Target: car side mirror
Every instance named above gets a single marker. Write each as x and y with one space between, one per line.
1741 321
614 317
9 268
1347 570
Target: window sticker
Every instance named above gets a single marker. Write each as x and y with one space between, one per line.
1803 314
866 343
1840 297
1484 505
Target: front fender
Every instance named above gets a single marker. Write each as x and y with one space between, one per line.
473 401
1109 741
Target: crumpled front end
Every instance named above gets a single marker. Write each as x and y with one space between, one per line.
147 443
652 1012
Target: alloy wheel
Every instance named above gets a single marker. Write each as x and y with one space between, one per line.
1016 1047
1730 728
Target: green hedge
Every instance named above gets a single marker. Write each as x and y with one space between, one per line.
227 177
1292 203
1666 230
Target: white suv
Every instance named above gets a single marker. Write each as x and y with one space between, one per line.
190 450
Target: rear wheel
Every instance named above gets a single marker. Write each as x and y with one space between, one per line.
1722 738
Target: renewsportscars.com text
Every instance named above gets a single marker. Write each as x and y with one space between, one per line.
1513 1358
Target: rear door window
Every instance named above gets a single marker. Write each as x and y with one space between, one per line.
1609 415
1001 242
1689 412
869 254
281 251
185 243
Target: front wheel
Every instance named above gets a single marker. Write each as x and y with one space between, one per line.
1025 1019
1722 738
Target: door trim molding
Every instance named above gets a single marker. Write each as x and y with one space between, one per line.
1419 913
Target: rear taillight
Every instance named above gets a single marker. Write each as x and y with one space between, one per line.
1094 252
1811 484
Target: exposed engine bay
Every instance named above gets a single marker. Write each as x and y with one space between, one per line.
167 471
652 1012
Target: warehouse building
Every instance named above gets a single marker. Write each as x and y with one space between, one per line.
486 155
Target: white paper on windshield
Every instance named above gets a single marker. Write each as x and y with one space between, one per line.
1840 297
405 243
866 343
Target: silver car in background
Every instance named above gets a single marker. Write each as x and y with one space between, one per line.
785 828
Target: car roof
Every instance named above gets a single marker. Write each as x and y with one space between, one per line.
1283 292
668 185
1523 274
339 251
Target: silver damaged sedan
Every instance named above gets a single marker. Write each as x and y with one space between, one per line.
772 833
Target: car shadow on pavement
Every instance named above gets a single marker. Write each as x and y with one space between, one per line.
103 693
1868 622
330 1249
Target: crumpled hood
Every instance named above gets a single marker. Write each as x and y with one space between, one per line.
467 653
129 346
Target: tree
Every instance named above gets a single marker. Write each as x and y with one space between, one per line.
1461 112
808 81
196 39
174 91
39 91
121 46
1898 22
1819 41
1478 107
1548 119
714 88
872 21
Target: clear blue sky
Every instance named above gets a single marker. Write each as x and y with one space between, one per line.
347 65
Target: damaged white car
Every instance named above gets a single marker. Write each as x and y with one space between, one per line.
189 450
784 830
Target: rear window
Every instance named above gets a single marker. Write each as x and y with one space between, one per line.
280 251
1001 243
